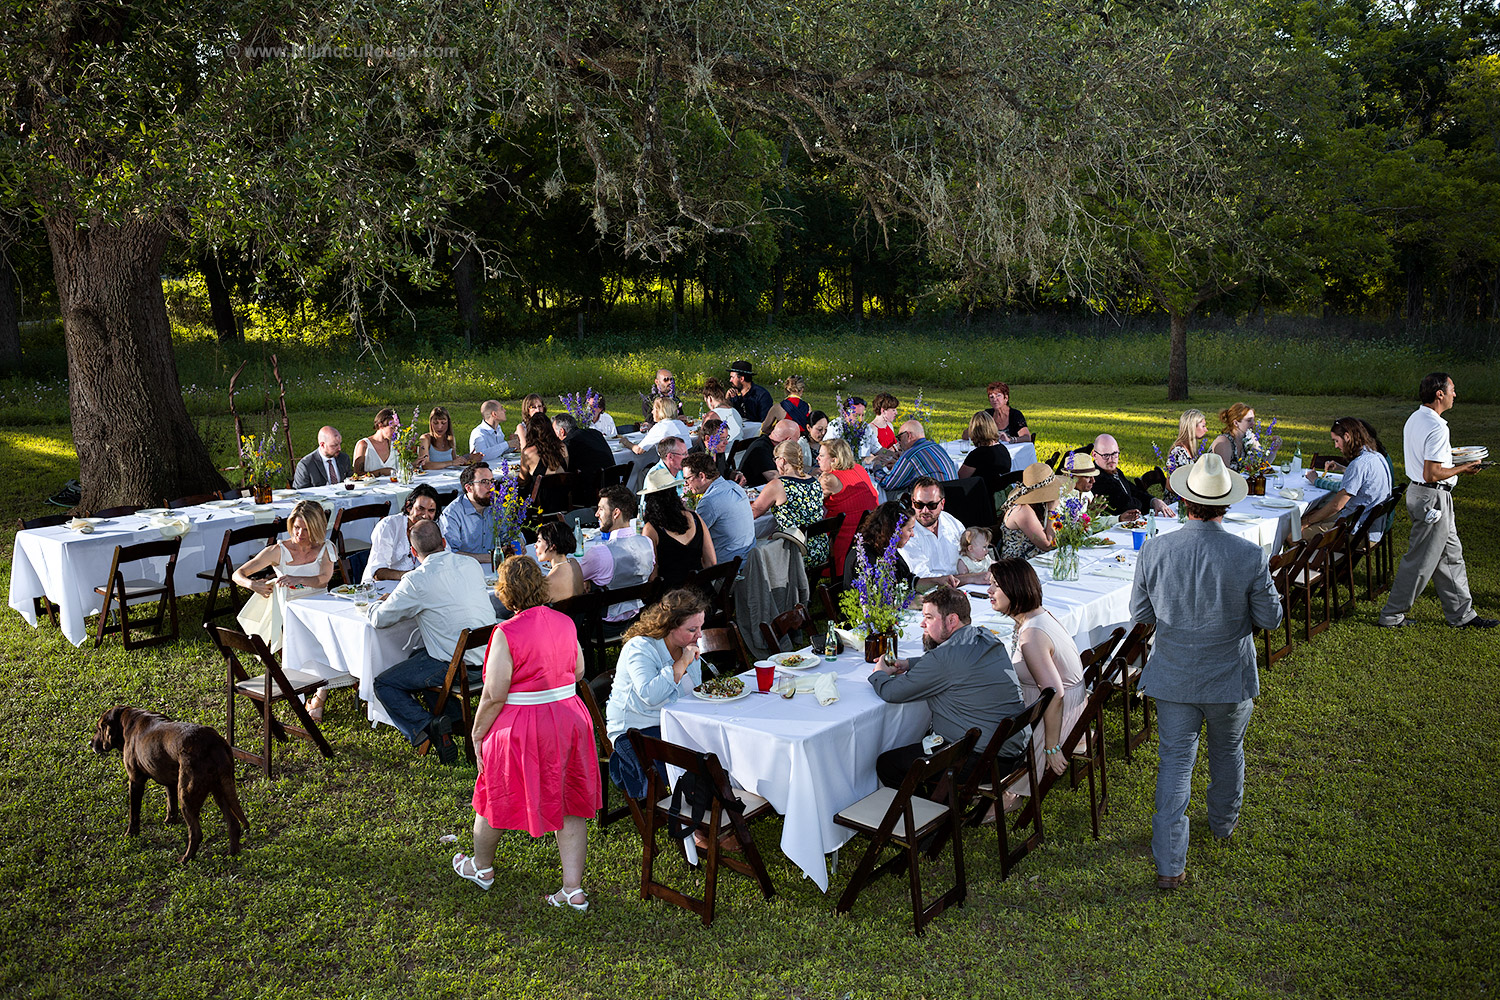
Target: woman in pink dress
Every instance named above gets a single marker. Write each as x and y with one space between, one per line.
538 766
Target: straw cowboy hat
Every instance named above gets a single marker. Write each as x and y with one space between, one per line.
1080 463
1038 485
1208 481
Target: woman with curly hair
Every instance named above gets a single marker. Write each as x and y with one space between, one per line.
658 665
534 740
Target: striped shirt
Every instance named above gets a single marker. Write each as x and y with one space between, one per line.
924 458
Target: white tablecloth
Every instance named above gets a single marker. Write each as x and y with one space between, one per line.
331 637
809 760
66 566
1022 453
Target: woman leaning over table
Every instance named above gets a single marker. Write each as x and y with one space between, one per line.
658 665
1230 445
1045 656
555 542
1026 528
847 490
303 565
796 497
435 449
376 453
534 740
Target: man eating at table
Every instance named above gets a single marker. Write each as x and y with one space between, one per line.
489 437
919 457
445 594
1122 498
966 678
390 545
325 465
469 522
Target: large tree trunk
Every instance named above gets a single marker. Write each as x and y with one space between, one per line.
10 316
135 442
1177 373
225 324
466 296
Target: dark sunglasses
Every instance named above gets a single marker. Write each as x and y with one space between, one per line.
927 504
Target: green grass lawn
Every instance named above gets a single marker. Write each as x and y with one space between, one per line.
1365 864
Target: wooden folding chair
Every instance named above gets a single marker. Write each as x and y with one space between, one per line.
724 650
346 547
455 684
41 606
1310 573
1087 756
828 599
736 453
1132 656
828 527
273 685
196 500
1342 560
595 635
444 498
1280 567
118 591
737 807
592 692
1385 551
717 584
552 493
901 818
223 571
783 625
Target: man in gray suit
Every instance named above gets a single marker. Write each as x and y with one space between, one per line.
966 678
1206 591
326 465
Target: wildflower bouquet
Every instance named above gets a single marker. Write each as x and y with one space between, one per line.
1075 522
408 439
849 425
258 458
584 406
921 412
1260 450
873 605
509 508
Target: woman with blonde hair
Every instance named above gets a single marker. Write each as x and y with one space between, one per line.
847 489
658 665
377 453
796 497
665 425
533 738
303 565
1192 428
990 460
1230 445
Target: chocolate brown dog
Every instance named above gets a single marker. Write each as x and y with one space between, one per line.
193 761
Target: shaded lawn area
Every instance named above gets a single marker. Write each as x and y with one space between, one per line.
1365 863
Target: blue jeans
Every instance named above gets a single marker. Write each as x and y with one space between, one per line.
1177 726
402 690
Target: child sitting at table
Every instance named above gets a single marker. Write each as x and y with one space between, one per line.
974 551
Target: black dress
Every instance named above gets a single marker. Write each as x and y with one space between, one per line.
676 561
989 463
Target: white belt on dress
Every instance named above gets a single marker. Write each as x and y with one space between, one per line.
546 697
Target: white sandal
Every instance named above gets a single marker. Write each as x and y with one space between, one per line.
482 877
565 897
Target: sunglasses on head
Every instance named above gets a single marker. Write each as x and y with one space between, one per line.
927 504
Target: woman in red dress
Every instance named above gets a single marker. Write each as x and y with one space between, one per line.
538 766
847 489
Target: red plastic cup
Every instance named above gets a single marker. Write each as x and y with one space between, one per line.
765 677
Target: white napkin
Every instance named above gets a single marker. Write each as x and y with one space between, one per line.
824 687
1291 493
81 525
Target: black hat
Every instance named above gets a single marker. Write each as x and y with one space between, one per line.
743 367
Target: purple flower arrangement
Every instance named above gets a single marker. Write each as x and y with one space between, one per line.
584 406
875 602
509 507
849 425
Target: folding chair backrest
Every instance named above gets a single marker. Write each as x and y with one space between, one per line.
49 521
551 493
940 767
784 624
969 500
724 650
617 475
717 584
124 510
829 527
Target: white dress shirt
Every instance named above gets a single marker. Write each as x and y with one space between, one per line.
446 594
489 442
664 429
605 424
390 548
1425 438
934 553
733 421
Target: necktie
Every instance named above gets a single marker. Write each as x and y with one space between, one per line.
333 475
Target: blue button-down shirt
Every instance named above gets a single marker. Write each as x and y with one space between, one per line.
488 441
725 509
924 458
466 529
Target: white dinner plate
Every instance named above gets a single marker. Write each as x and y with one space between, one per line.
287 494
153 511
1275 503
749 687
223 503
805 660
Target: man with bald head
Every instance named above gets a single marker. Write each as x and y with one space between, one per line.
326 465
489 437
1124 498
758 464
665 385
919 457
